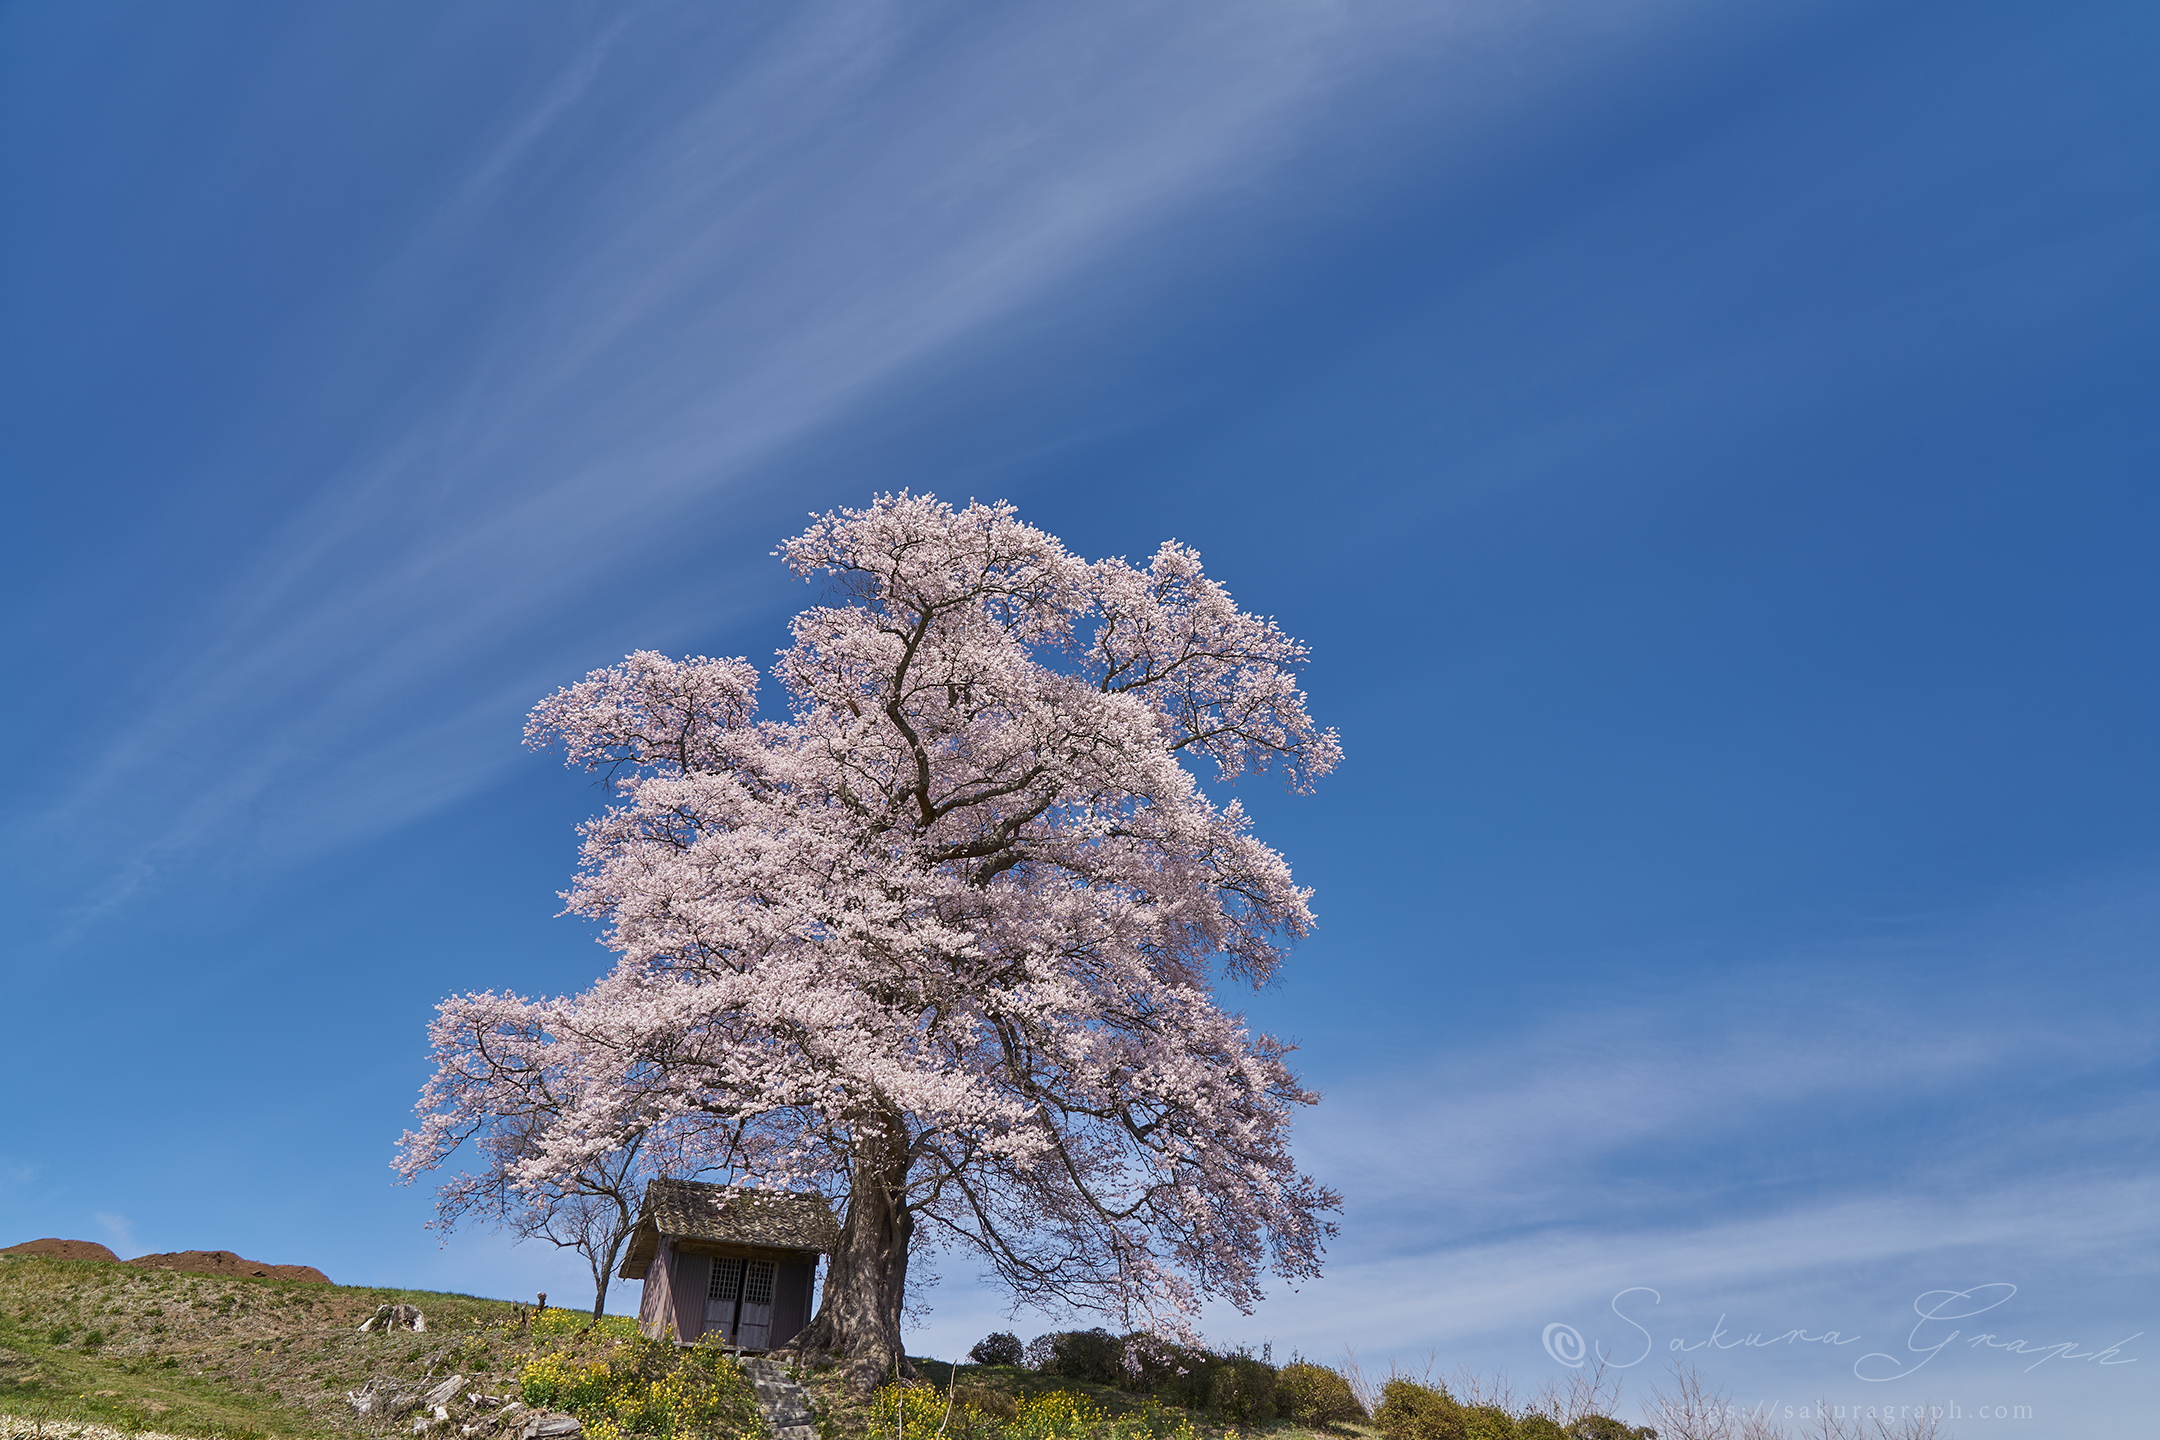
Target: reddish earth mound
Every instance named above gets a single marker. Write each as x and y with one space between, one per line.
65 1249
224 1262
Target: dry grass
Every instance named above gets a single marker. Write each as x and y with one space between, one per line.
83 1342
199 1355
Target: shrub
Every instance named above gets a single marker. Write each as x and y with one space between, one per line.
1490 1422
1054 1413
1001 1348
651 1388
555 1323
1410 1411
969 1413
1243 1390
922 1410
994 1403
1315 1395
1155 1366
1604 1427
1176 1373
1095 1355
925 1410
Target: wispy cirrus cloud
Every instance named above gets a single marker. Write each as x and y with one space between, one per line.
692 245
1813 1139
118 1231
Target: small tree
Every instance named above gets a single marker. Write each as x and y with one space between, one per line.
595 1223
499 1072
941 940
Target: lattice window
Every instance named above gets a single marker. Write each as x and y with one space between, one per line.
727 1276
759 1285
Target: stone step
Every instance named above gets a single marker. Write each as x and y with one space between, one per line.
785 1404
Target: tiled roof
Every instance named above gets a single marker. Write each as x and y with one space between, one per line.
728 1215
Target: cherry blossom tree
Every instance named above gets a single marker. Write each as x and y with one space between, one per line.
506 1087
942 940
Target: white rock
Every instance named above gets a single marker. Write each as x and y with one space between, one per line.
395 1317
442 1394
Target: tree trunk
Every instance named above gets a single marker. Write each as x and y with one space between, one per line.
859 1318
603 1266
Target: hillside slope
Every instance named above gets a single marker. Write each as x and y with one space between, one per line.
201 1354
182 1354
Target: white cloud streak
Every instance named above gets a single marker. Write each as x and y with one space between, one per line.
118 1232
1812 1141
770 230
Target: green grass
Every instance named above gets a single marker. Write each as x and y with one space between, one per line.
1129 1415
249 1359
1017 1382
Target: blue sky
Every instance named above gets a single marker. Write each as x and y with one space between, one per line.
1711 450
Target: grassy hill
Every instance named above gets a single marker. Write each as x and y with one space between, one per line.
210 1355
264 1359
245 1358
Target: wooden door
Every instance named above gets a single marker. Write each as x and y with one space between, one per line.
791 1303
722 1296
754 1331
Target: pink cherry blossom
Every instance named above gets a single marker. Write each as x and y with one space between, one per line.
942 942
